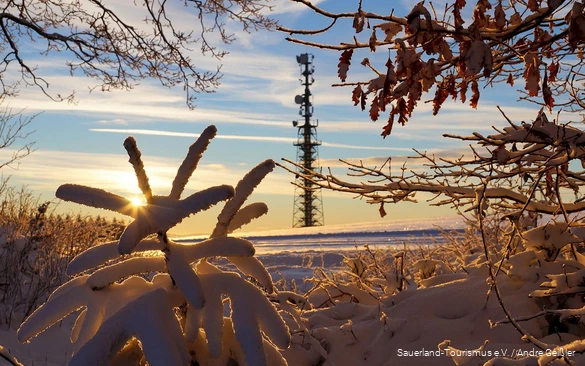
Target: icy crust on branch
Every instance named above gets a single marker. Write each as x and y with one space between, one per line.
164 213
244 189
232 351
552 237
186 279
246 214
149 318
159 216
103 253
106 276
232 215
74 295
135 155
122 313
562 284
541 133
190 162
107 312
94 197
214 247
250 313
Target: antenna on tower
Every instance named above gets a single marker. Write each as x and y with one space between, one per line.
308 202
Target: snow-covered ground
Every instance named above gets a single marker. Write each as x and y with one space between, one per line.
293 254
319 235
445 319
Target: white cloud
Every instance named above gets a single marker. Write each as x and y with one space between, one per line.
113 121
290 8
269 139
398 160
44 171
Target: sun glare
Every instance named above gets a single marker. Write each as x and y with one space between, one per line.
137 201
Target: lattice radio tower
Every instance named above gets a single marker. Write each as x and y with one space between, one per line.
308 202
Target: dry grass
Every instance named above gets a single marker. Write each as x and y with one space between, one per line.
35 247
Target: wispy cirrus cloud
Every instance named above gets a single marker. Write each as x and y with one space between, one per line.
268 139
411 160
44 171
113 121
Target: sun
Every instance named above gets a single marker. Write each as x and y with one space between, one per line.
137 201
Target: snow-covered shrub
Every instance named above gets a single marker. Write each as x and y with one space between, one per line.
176 315
35 247
514 280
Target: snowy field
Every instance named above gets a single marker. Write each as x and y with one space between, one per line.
345 237
293 254
445 318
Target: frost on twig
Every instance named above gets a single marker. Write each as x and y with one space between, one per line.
136 161
550 238
246 214
233 216
95 197
243 191
150 319
461 357
191 160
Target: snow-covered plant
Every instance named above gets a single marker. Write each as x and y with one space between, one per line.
149 299
35 247
521 191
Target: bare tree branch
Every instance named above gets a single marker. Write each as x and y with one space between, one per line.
106 46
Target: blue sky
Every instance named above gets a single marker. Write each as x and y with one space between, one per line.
254 106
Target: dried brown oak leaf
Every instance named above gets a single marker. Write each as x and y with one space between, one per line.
343 65
391 79
413 20
373 40
463 91
390 29
356 94
376 83
478 57
576 21
359 19
479 16
374 109
387 130
500 16
428 74
475 96
553 70
547 94
532 73
440 96
381 210
510 79
515 19
533 5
